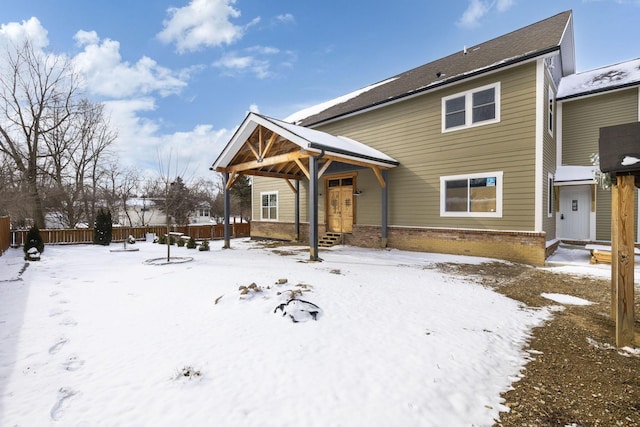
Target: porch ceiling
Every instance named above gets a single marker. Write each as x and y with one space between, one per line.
268 147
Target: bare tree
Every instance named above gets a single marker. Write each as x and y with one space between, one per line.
147 189
37 93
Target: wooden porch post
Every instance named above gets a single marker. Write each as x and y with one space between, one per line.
623 258
313 208
227 209
297 210
385 209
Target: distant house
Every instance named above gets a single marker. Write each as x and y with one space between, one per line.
484 152
146 211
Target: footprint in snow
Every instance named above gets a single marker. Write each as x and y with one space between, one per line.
73 364
56 312
64 394
58 346
68 322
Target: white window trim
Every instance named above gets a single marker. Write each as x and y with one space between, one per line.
551 111
267 193
443 192
469 108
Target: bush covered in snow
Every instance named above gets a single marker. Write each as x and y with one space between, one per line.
34 241
204 246
191 244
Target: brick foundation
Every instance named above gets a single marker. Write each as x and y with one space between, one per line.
516 246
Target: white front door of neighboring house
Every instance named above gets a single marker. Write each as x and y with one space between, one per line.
575 211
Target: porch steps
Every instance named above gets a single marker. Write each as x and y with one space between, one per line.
330 239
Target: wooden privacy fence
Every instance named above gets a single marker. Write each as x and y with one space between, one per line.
5 233
119 234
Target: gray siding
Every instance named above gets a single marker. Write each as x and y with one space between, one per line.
549 159
410 131
582 119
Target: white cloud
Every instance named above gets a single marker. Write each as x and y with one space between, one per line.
256 60
30 29
285 18
477 9
131 91
203 23
141 144
83 38
108 75
504 5
233 64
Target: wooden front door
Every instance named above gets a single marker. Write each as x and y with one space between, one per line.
340 205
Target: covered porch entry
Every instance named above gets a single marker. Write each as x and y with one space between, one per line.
263 146
575 193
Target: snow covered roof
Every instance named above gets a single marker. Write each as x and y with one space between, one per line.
539 39
307 139
603 79
574 175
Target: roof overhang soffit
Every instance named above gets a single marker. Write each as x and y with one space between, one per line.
264 149
287 165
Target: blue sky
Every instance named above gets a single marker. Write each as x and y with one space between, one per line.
179 75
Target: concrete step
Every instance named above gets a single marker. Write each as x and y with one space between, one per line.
329 239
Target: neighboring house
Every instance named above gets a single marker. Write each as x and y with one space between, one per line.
586 102
145 211
464 155
202 215
141 211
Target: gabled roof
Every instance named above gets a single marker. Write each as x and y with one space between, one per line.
574 175
612 77
530 42
266 146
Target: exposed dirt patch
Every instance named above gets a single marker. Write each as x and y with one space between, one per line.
577 377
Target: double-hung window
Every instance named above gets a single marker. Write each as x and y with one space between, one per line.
478 195
471 108
269 206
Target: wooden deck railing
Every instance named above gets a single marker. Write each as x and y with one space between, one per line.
119 234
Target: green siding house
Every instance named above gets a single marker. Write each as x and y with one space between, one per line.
482 153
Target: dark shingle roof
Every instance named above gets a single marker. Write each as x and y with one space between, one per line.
528 42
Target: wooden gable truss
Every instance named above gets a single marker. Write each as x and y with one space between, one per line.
270 148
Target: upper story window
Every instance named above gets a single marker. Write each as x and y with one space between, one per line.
269 206
471 195
475 107
203 212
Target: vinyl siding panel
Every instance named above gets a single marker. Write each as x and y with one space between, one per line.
410 131
286 198
582 120
549 159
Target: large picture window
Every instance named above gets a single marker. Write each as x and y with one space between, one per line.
269 206
471 195
472 108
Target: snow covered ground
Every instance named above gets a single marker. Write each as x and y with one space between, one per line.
90 337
